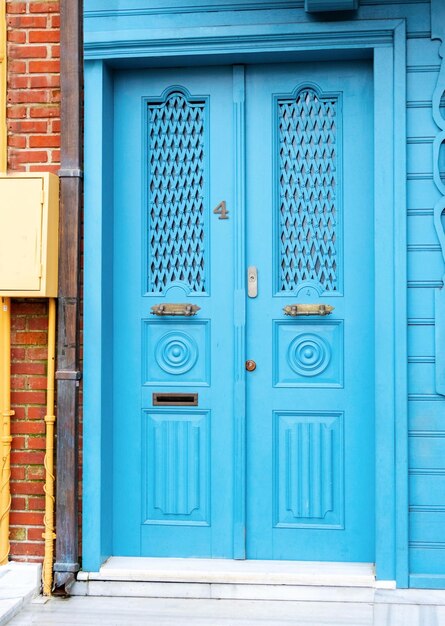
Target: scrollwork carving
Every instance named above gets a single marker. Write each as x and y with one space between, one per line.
438 32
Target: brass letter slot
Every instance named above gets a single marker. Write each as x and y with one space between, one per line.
308 309
187 310
175 399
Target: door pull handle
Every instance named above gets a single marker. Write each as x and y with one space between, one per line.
308 309
185 310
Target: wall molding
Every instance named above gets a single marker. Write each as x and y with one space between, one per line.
240 39
206 6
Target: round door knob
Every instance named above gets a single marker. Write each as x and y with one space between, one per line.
250 366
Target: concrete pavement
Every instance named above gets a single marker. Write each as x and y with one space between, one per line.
115 611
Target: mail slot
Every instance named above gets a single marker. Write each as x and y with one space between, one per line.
175 399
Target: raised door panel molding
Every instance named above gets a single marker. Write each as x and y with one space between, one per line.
308 469
308 353
176 353
176 468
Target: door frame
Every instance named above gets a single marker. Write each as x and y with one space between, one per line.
383 41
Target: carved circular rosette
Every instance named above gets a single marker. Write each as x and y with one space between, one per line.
176 352
309 354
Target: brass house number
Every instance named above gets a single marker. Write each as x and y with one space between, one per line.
222 211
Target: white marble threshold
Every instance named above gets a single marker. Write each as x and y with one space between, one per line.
291 581
225 571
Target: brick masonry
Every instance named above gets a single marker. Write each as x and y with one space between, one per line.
33 115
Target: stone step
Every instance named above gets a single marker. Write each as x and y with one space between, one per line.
229 579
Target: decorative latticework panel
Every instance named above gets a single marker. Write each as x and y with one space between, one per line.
176 161
308 211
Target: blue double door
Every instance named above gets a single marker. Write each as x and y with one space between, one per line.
243 196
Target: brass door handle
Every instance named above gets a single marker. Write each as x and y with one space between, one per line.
308 309
186 310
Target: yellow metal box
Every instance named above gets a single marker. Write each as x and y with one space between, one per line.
29 229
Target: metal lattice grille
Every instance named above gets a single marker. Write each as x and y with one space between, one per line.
307 191
176 194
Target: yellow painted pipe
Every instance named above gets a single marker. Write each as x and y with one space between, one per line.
5 397
49 534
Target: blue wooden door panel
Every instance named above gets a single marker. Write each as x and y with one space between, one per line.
421 299
425 415
426 450
426 527
173 465
421 229
421 338
427 558
310 234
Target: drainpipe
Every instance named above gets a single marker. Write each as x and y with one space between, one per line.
68 372
49 535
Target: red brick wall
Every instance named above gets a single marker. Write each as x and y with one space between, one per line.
33 145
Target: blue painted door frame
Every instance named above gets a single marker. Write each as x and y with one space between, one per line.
387 39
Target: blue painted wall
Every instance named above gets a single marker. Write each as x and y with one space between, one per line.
132 23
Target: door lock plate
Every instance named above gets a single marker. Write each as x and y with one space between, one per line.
252 281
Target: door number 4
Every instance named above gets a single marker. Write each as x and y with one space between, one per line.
222 211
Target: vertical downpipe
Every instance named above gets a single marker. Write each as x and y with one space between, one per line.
68 318
49 534
5 397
